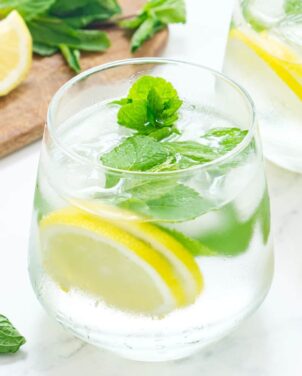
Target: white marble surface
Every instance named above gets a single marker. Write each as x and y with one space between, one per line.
267 344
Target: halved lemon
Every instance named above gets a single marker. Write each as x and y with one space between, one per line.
280 57
135 267
15 52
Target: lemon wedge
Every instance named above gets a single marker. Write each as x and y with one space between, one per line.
281 58
123 265
15 52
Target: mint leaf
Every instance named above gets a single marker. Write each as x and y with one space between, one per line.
54 32
10 339
141 88
225 139
134 115
190 153
72 56
145 31
152 103
195 247
254 21
28 9
180 203
155 15
44 49
136 153
293 6
80 13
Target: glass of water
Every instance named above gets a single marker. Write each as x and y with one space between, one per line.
152 264
264 55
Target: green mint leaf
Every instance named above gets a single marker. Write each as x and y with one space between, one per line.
293 7
10 339
54 32
80 13
28 9
167 11
133 23
191 150
160 134
144 32
141 88
155 15
195 247
72 56
44 49
225 139
254 21
180 203
152 103
136 153
134 115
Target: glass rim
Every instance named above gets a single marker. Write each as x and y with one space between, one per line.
149 60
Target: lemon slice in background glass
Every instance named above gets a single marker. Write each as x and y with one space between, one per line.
15 52
126 269
281 58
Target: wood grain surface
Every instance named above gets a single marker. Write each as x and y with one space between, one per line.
23 111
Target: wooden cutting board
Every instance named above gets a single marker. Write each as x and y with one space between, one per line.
23 111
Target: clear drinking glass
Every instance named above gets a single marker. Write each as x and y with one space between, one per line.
264 54
163 285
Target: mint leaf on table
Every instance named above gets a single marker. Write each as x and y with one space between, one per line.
54 32
152 103
293 7
72 56
44 49
28 9
80 13
10 339
155 15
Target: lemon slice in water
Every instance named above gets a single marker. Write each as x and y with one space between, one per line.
281 58
15 52
136 267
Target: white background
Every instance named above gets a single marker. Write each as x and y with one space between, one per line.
267 344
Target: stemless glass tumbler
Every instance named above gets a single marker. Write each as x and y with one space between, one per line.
150 265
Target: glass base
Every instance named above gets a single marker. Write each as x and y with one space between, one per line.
158 349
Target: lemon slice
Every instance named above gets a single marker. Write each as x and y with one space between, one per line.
99 257
15 52
183 262
281 59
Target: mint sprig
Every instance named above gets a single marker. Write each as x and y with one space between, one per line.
10 339
151 111
155 15
152 103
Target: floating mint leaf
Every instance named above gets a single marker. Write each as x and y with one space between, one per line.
136 153
180 203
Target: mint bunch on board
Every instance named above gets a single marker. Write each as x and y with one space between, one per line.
10 339
62 25
155 15
151 110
